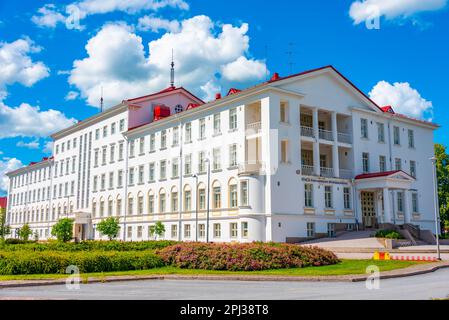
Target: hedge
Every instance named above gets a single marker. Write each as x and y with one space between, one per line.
389 234
23 262
88 246
244 257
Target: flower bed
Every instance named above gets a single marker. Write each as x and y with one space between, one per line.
244 257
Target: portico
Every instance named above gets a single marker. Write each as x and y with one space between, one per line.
384 198
82 226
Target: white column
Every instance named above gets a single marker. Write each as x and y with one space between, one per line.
407 207
358 203
387 206
335 158
316 144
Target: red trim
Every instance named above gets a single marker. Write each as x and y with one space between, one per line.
3 202
233 91
379 174
169 89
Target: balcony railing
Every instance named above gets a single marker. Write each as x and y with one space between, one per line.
307 132
251 167
307 170
346 174
254 128
327 172
344 138
326 135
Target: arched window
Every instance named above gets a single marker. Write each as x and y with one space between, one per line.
110 210
162 200
187 198
233 198
201 194
118 206
216 195
101 207
150 202
140 203
130 204
174 199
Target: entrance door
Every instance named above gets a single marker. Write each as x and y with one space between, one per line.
368 209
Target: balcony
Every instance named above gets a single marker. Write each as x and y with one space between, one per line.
254 128
326 135
344 138
327 172
307 132
250 168
307 170
346 174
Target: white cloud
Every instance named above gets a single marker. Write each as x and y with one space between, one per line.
156 24
30 145
48 147
7 165
210 89
117 60
71 95
48 16
16 65
363 10
28 121
403 98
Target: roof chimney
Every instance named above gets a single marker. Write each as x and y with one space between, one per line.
275 77
218 96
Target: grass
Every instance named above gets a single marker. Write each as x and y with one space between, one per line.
345 267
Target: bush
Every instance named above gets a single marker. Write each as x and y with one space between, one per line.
63 230
389 234
17 241
14 263
244 257
86 246
109 227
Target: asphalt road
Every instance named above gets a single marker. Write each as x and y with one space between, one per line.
428 286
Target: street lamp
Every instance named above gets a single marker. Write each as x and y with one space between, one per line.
196 207
436 203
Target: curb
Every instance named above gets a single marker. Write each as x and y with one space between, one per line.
398 273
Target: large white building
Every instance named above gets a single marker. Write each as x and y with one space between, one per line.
293 158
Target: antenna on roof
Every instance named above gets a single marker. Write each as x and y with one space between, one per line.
172 73
101 100
290 54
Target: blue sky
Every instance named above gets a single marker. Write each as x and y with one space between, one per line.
218 45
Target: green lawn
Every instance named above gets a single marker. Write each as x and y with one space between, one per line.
346 267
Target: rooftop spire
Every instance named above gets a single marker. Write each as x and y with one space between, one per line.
101 100
172 73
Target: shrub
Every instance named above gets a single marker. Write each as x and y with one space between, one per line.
109 227
389 234
244 257
63 230
14 263
25 232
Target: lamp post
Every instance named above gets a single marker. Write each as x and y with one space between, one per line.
208 200
436 203
196 207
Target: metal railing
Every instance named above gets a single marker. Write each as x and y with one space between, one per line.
250 167
307 170
307 132
344 137
254 128
326 135
327 172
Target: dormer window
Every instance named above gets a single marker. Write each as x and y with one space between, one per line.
179 109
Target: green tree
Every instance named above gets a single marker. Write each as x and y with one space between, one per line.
63 230
4 228
442 165
157 230
109 227
25 232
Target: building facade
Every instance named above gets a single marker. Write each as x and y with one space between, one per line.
293 158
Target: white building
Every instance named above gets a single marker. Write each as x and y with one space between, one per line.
292 158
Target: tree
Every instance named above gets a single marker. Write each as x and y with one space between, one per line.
157 230
109 227
25 232
63 230
4 228
442 165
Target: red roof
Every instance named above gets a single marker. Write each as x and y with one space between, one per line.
3 202
233 91
388 109
379 174
169 89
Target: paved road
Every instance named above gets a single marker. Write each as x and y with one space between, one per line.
433 285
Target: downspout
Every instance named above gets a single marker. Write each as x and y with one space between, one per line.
50 199
126 187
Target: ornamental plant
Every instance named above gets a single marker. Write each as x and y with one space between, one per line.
157 230
25 232
63 230
109 227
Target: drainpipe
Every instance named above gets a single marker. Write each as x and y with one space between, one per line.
389 145
354 202
50 199
126 187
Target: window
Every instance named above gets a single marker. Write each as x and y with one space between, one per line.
188 164
202 129
396 136
151 172
132 148
141 146
400 199
201 162
413 168
328 196
109 212
415 207
331 230
187 200
130 205
162 202
140 204
411 139
179 108
120 151
284 112
217 230
364 128
398 164
233 156
187 231
103 156
152 142
113 128
233 119
284 151
174 231
217 124
323 161
139 232
233 228
151 203
175 137
163 139
130 232
188 132
101 208
112 153
244 227
202 199
175 168
244 193
233 202
122 125
365 162
347 198
163 170
111 180
103 182
131 177
380 132
141 174
119 207
308 195
201 230
217 197
105 131
120 179
382 164
310 230
216 159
